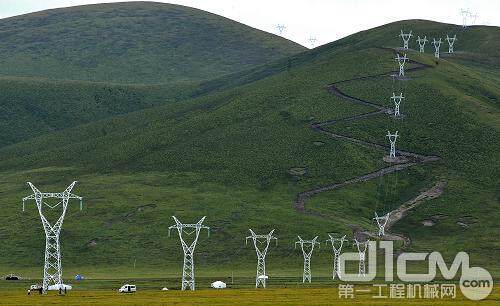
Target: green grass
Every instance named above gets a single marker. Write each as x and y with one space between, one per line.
139 42
269 296
66 67
226 155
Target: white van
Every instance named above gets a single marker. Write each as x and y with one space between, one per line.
127 288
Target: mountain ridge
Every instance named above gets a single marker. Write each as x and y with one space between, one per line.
133 42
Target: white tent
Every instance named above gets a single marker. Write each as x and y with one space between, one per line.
218 285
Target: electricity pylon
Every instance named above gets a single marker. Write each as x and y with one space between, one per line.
406 39
381 222
258 241
451 42
52 269
397 103
336 252
465 14
307 247
188 279
281 28
475 17
437 45
312 41
421 43
362 246
401 62
392 139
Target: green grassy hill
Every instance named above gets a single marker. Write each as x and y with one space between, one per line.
65 67
133 42
228 155
30 107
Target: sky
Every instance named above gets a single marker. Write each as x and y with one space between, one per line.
322 20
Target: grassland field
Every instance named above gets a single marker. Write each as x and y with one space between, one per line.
149 293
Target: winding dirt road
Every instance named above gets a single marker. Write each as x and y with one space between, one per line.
411 158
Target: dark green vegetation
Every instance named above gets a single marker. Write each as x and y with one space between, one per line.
138 42
227 155
61 68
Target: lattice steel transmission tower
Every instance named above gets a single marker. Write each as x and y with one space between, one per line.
437 45
381 222
406 38
312 41
475 18
401 62
397 103
465 14
336 252
307 247
392 139
52 268
258 242
188 278
421 43
451 42
281 28
362 246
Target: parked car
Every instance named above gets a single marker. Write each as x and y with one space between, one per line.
127 288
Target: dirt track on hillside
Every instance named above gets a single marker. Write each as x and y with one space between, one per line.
412 159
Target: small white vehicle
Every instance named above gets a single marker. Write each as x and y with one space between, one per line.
218 285
127 288
62 286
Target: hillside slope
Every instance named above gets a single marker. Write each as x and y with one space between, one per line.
65 67
241 156
133 42
30 107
